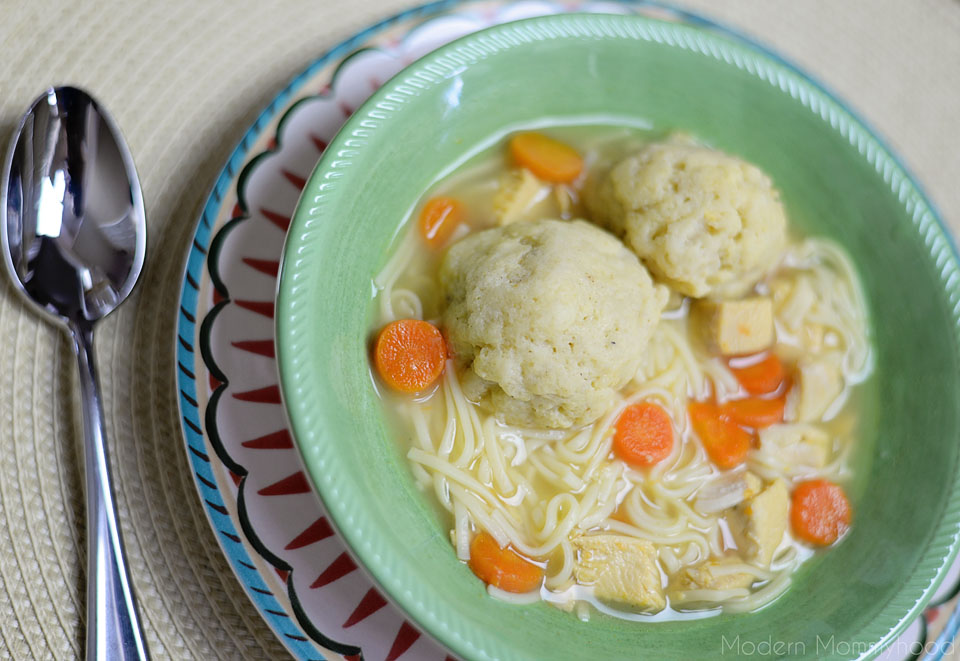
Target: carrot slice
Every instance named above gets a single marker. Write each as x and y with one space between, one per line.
819 512
724 440
644 434
410 354
439 217
761 378
754 411
549 159
502 568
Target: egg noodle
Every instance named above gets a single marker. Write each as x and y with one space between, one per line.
536 489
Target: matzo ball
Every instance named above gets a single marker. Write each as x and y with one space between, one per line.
703 222
547 318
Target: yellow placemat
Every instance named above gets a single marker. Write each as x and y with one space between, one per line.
184 80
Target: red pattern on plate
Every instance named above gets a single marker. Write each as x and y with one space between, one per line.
269 267
268 395
259 347
264 308
288 486
321 145
278 440
370 604
295 179
339 568
278 219
318 530
406 637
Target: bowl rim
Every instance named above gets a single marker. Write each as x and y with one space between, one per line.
295 281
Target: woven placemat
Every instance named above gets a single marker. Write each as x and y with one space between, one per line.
184 79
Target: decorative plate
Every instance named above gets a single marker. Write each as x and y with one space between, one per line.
271 526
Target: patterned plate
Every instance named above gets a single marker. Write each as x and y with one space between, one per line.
272 528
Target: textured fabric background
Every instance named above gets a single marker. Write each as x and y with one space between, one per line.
184 79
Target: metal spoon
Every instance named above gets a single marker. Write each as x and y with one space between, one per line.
74 237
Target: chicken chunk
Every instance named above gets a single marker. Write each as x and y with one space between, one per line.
820 383
727 490
621 570
518 192
793 297
714 574
758 523
754 485
739 327
799 444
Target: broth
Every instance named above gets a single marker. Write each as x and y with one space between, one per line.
516 482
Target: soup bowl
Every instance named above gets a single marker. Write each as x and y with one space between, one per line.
837 180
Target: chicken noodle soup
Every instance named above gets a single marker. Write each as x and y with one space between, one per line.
622 377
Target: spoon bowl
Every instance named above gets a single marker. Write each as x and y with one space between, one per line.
74 232
74 237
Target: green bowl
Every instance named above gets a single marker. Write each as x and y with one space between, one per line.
837 180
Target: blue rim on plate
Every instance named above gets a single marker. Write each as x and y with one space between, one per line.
228 535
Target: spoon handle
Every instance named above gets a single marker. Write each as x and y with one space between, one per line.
113 627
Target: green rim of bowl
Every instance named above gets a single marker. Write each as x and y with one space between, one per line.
302 281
